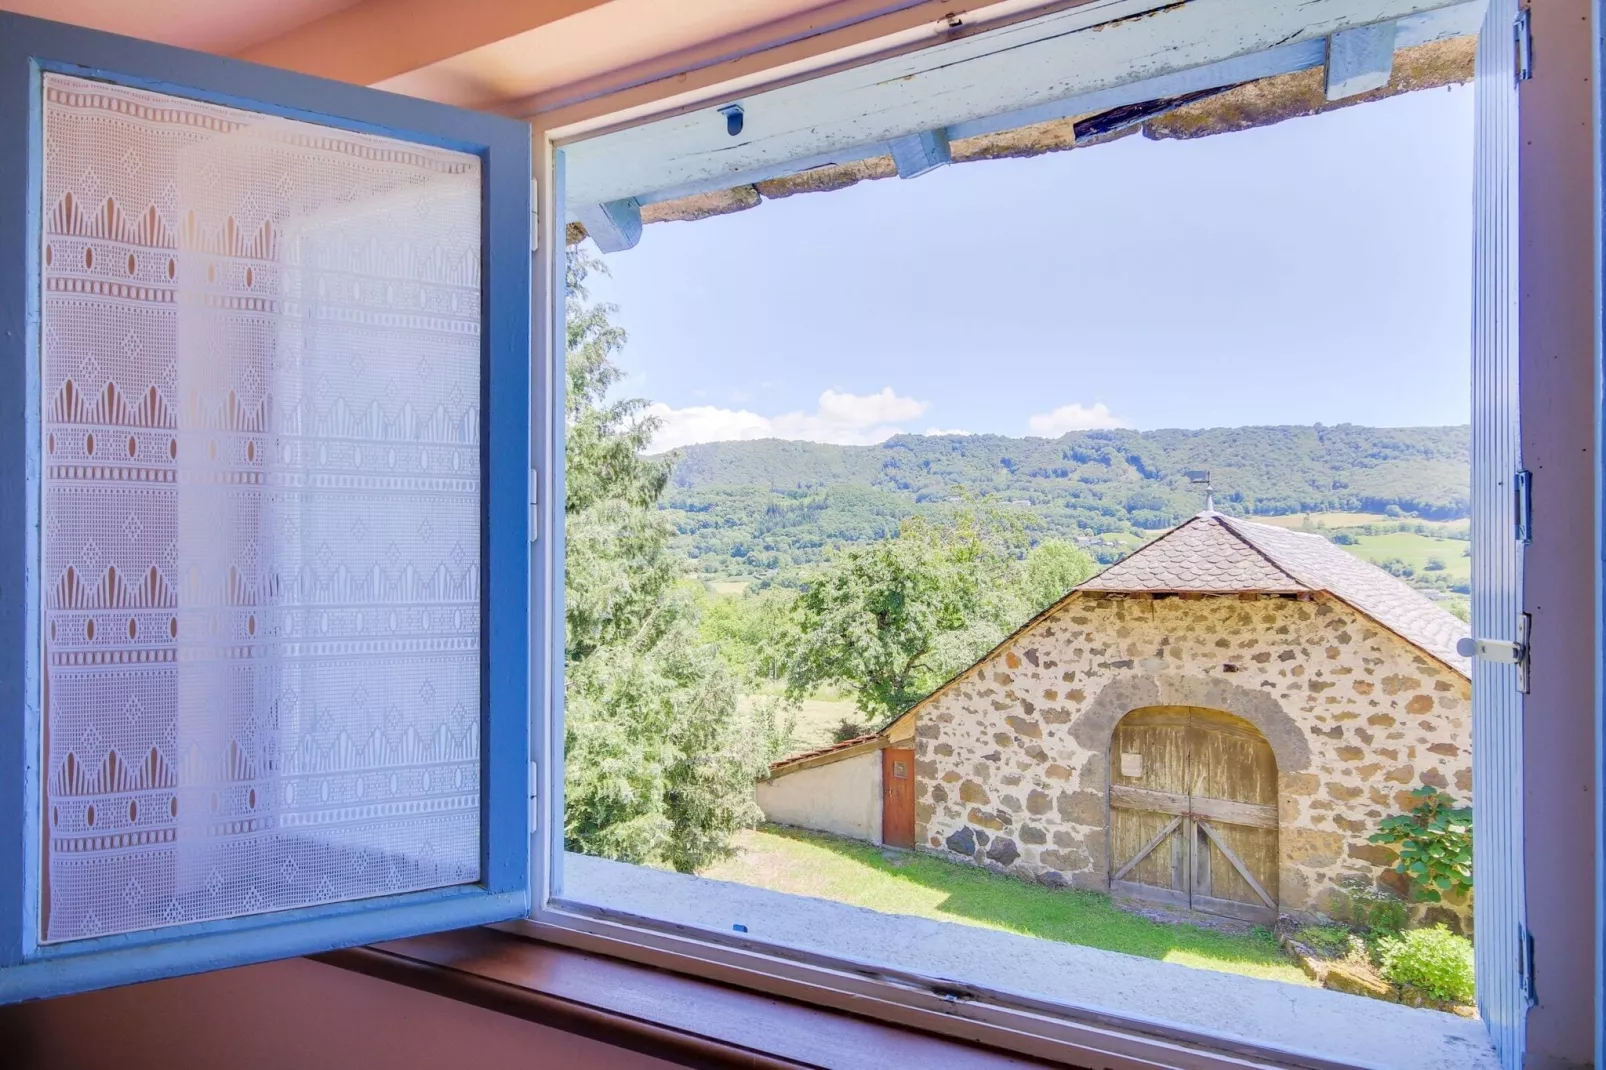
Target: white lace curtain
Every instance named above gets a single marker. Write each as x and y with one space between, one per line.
261 391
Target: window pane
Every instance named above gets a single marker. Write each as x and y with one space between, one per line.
261 385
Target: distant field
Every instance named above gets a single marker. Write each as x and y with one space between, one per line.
735 587
1334 521
817 719
1416 550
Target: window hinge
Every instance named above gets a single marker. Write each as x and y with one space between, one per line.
1522 488
535 502
1525 964
1523 42
1501 651
535 217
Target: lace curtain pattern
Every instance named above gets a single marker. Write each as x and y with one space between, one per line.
261 506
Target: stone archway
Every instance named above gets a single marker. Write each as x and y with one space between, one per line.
1193 817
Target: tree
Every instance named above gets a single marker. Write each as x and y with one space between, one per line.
659 757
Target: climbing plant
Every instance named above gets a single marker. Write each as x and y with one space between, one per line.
1435 843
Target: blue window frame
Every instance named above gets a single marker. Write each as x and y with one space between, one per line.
30 968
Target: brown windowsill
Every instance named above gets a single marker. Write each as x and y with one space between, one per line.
670 1016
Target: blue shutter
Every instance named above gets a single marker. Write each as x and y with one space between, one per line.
377 885
1500 911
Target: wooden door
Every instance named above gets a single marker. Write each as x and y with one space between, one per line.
1148 806
1233 813
1193 814
898 797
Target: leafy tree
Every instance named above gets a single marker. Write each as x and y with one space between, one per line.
890 621
1049 572
660 758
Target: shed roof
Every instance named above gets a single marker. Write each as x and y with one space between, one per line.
1217 554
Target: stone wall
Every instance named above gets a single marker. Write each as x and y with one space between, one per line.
1011 757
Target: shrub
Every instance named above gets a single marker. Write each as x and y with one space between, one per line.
848 729
1435 961
1435 843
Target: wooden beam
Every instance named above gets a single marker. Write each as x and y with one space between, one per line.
615 226
1081 60
374 40
1359 60
916 154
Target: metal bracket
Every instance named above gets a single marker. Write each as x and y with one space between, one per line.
1523 42
1501 651
1522 489
535 796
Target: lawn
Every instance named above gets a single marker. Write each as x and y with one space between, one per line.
1416 550
817 717
848 871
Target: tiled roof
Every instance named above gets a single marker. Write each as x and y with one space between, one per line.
820 752
1216 554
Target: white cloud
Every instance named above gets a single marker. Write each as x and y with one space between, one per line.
1073 417
845 419
945 431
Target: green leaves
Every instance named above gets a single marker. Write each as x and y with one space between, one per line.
892 620
1436 961
1435 844
659 757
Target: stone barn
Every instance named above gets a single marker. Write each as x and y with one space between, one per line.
1217 722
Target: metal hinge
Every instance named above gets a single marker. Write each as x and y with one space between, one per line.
1522 489
1501 651
1525 964
1523 42
535 503
535 796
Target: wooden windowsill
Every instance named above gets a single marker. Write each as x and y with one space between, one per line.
670 1016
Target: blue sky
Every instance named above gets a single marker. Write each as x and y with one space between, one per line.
1316 270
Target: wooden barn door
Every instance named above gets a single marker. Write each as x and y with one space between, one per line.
898 797
1193 813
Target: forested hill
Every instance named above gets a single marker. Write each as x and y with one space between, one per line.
784 502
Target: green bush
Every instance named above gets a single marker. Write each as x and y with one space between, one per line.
1435 843
1436 961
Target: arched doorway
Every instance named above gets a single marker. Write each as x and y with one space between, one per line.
1193 812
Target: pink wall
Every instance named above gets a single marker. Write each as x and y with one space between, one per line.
295 1013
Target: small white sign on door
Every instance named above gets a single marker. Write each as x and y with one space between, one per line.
1131 764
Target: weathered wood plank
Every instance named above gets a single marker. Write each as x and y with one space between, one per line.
1232 908
1226 811
1081 60
1359 60
1143 852
1237 863
1171 896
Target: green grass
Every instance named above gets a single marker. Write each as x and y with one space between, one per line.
817 718
1416 550
847 871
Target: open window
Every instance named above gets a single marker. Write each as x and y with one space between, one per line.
1178 788
266 531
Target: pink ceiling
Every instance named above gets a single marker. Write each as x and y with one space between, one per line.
610 36
477 53
225 26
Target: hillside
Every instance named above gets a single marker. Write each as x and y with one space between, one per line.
759 508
